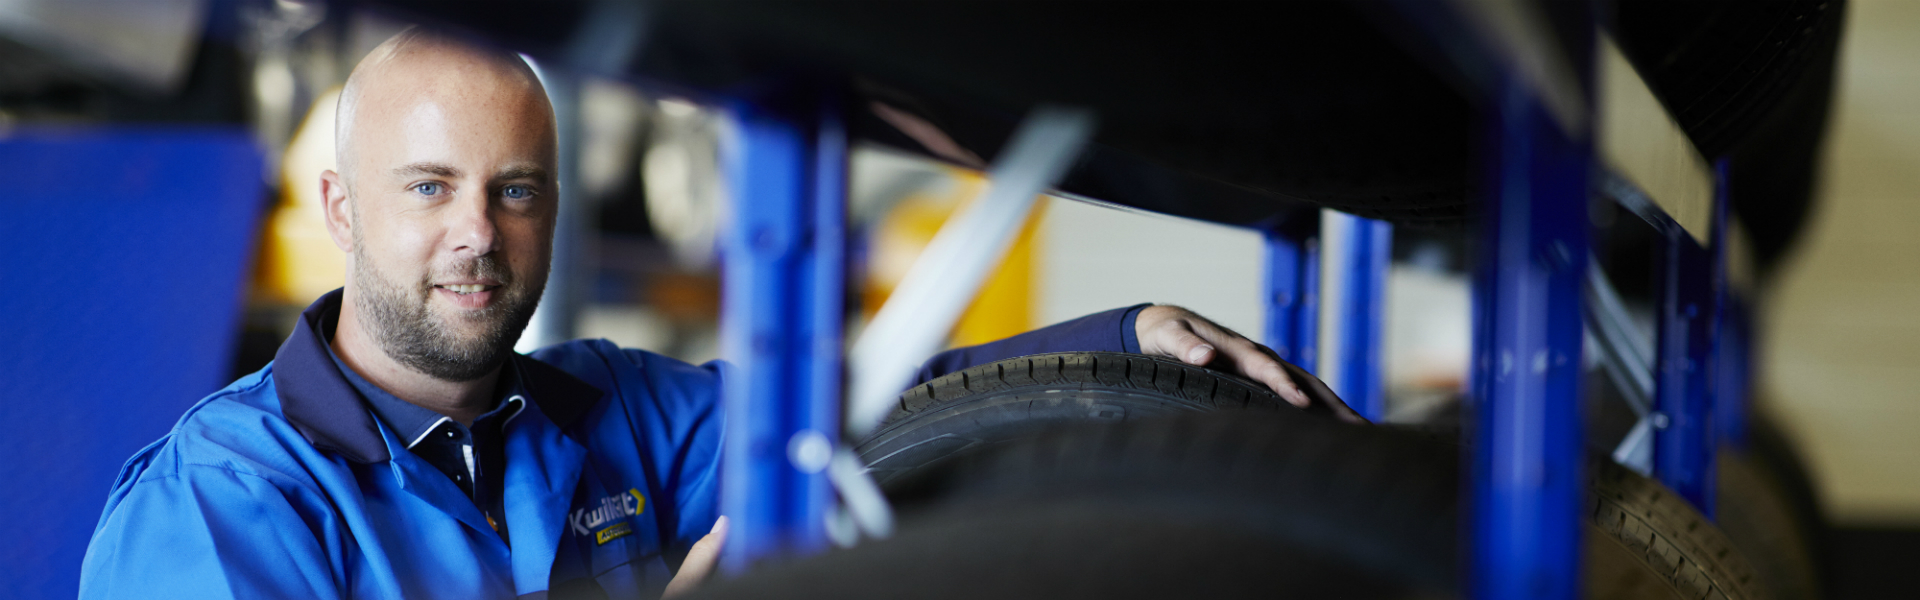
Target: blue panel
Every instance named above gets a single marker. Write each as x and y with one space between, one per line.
1526 455
1293 288
782 299
1369 253
1691 296
125 258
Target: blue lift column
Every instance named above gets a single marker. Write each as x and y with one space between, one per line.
1293 288
1732 336
784 277
1691 282
1368 254
1526 456
1293 302
1731 373
1731 350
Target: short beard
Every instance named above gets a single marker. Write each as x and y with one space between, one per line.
407 330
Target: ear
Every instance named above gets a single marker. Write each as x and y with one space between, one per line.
333 206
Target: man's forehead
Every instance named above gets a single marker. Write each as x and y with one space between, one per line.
428 90
471 136
418 50
421 99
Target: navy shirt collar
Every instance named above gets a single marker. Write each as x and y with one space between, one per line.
405 418
318 394
410 420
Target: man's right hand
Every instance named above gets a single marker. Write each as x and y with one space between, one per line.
700 561
1180 334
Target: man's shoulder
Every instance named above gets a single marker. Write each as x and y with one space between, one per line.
239 429
599 361
632 375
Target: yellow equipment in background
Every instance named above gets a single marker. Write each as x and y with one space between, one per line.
298 261
1005 305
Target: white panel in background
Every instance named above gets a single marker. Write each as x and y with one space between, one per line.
145 42
626 326
1638 139
1335 229
1428 340
1093 258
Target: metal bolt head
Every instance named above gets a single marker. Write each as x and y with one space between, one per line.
809 451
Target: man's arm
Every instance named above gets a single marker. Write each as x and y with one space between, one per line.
1108 331
206 532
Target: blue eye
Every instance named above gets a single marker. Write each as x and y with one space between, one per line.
517 192
428 189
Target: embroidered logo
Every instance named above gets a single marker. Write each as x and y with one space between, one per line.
586 519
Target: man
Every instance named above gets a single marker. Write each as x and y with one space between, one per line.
398 447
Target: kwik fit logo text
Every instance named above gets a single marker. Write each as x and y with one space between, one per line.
611 508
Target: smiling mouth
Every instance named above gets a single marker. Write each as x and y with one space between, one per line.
467 289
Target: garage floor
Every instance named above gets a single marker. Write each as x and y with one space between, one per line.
1874 563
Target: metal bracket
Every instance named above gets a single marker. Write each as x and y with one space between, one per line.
863 509
1628 360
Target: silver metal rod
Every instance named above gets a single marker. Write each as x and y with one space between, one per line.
865 503
1636 450
1627 358
915 321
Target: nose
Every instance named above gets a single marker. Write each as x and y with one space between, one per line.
471 229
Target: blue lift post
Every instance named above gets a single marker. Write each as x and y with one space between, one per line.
1293 288
1731 350
1369 253
781 325
1525 457
1293 302
1691 294
1731 373
1526 380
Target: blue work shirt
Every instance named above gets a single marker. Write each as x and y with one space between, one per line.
470 456
285 485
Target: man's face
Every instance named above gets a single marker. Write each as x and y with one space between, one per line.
453 210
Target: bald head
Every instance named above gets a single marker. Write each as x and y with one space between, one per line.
445 203
417 67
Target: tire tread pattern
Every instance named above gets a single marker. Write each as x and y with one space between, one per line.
1678 541
1115 370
